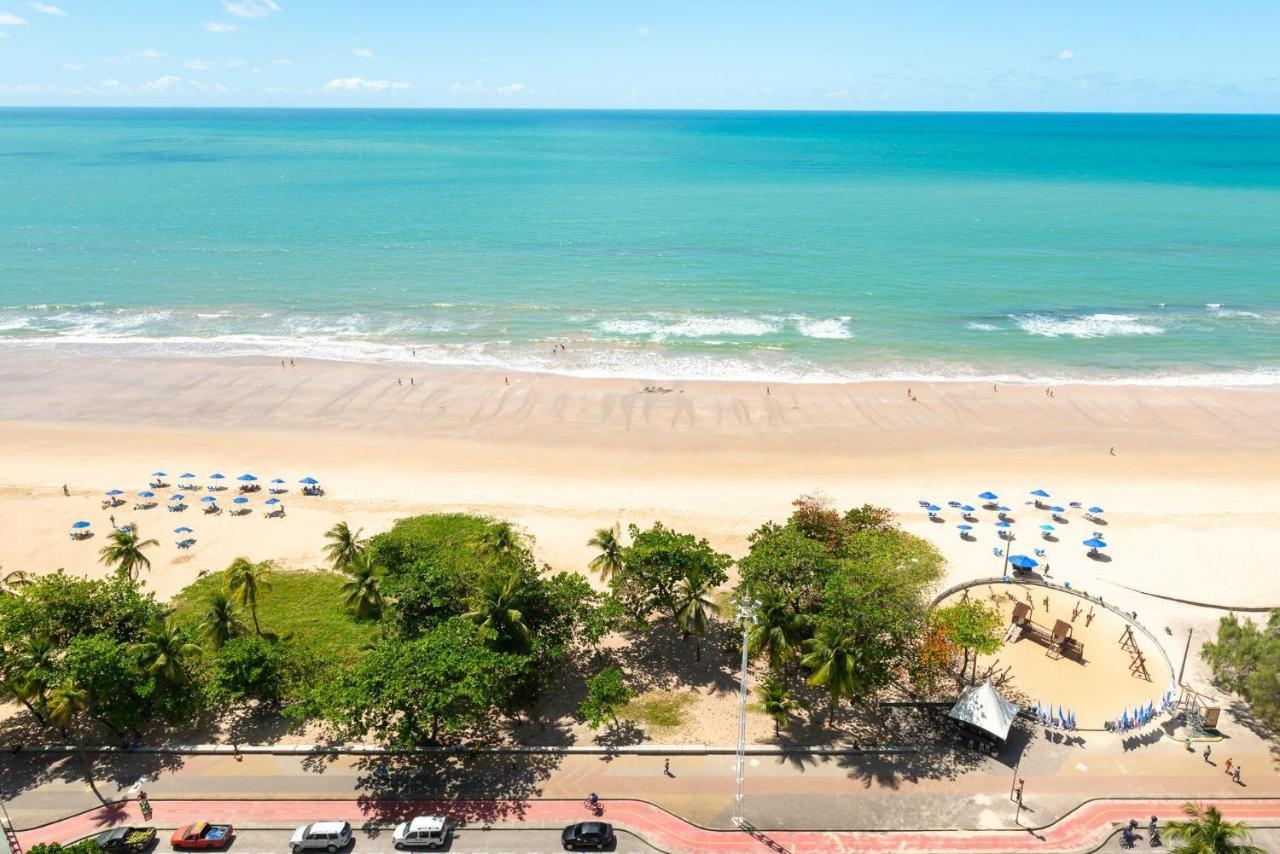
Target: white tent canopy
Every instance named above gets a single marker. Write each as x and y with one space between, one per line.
980 706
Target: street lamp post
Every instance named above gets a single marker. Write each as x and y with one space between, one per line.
746 614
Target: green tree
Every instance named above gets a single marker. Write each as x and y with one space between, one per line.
788 564
499 542
776 702
165 652
84 846
249 668
973 626
246 581
28 670
1206 832
608 546
606 694
67 702
125 552
656 562
778 633
120 691
344 545
694 607
832 659
363 590
13 581
1245 659
493 608
222 620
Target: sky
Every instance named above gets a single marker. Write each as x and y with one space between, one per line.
1047 55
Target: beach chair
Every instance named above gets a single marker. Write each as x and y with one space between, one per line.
998 552
1039 552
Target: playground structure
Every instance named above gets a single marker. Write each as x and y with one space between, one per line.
1066 648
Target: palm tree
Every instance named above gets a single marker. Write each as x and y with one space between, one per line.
498 541
363 592
608 543
66 702
1205 832
777 632
165 650
124 552
344 545
831 657
493 609
222 620
776 702
245 581
693 607
14 581
28 678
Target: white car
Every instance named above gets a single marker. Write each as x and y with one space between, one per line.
424 831
326 835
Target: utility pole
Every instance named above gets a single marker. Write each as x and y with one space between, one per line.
746 608
1185 650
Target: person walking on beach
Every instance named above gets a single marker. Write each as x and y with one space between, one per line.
1113 450
410 380
1207 750
399 381
291 364
112 520
66 491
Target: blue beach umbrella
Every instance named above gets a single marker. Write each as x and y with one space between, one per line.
1039 493
988 496
965 527
178 497
1095 543
241 500
187 475
933 508
1096 510
182 530
277 480
968 508
1023 562
80 526
157 474
246 477
1003 509
1047 528
273 501
217 476
1003 524
309 481
146 495
115 492
208 499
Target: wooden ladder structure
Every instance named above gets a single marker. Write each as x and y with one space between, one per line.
1137 662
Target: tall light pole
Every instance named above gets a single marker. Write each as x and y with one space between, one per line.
746 614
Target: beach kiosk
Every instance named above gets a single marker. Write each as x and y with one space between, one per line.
982 712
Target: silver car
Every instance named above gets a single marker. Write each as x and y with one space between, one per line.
424 831
325 835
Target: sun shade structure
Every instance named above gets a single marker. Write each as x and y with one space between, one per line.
246 477
114 492
208 499
146 495
988 496
1039 493
80 526
309 481
157 474
217 477
273 500
1095 543
1023 562
241 500
980 707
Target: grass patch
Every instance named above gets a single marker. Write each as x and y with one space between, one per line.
304 609
664 709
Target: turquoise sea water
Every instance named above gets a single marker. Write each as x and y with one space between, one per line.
737 245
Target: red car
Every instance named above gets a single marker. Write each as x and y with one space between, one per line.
202 834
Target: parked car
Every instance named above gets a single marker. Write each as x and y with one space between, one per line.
202 834
423 831
588 834
326 835
126 840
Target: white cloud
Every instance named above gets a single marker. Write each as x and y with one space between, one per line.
109 83
513 89
149 54
251 8
282 60
361 53
355 84
73 66
8 19
643 32
198 65
1066 54
162 84
219 27
47 9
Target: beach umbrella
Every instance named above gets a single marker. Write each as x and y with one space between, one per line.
1003 509
933 508
1095 543
1047 528
968 508
273 501
1003 524
277 480
146 495
965 527
115 492
157 474
217 476
309 481
1096 510
1023 562
187 475
246 477
1056 509
209 499
80 525
241 500
1076 504
988 496
1039 493
183 530
178 497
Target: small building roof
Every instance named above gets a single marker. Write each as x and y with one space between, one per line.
982 706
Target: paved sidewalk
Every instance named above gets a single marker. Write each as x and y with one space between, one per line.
1083 830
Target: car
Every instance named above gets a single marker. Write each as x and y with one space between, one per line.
201 834
326 835
588 834
423 831
126 840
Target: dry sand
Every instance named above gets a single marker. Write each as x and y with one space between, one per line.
1190 492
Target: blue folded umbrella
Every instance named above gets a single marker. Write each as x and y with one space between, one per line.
273 500
1003 509
1095 543
208 499
115 492
1039 493
241 500
80 525
988 496
182 530
146 495
246 477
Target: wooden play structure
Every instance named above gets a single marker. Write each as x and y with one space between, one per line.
1137 663
1058 643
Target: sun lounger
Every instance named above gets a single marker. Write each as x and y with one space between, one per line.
176 508
212 510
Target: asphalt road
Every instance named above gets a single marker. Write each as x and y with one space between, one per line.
469 840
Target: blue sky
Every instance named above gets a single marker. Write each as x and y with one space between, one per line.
702 54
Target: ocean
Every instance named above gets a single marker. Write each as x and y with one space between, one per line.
663 245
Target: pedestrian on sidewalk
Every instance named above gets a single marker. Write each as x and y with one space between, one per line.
1186 742
1235 776
1207 751
666 767
1228 765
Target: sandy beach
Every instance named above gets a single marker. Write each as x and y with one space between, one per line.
1189 492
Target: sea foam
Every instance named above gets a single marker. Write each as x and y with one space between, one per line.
1085 326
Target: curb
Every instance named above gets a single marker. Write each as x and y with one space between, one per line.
455 750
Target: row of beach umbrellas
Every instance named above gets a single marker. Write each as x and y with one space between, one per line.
1140 716
1004 523
1061 719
